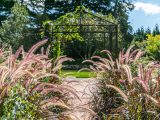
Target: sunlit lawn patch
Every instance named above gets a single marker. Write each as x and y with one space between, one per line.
75 73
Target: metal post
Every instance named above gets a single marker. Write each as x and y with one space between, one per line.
81 3
104 40
116 40
111 42
52 35
80 20
110 39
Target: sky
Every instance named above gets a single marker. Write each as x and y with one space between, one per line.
146 14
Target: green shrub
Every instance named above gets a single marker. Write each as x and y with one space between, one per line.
125 93
19 106
153 45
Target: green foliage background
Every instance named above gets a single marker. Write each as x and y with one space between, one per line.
14 28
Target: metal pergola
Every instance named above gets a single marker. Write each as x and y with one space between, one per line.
104 31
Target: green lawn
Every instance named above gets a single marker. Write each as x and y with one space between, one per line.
75 73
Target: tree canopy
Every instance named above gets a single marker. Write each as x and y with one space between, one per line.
13 28
41 10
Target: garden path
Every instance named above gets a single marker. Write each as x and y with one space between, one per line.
84 88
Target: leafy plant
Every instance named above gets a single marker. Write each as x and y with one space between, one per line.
35 74
125 94
145 92
153 45
17 105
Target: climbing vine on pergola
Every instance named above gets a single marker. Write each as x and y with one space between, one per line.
84 25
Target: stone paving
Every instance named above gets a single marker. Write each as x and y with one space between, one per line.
84 88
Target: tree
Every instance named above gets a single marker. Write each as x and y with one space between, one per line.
148 31
13 29
140 34
41 10
156 30
5 9
56 8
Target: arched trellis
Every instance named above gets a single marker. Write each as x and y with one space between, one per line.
89 26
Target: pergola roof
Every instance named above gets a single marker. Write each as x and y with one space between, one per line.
83 16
